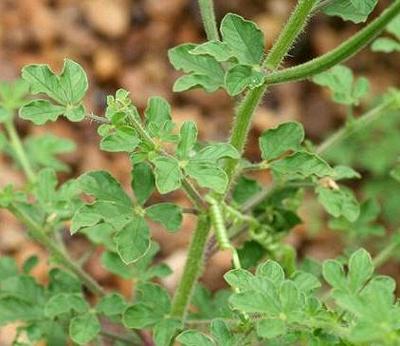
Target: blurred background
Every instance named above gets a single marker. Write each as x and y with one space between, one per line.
124 43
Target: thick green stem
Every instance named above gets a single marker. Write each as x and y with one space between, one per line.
192 270
242 124
19 150
290 32
245 112
39 235
339 54
209 21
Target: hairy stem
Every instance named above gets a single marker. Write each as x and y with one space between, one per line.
290 32
339 54
209 21
19 150
192 270
39 235
245 112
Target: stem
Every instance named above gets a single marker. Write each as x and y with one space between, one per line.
124 339
355 126
192 270
290 32
242 122
42 238
209 21
19 150
386 253
347 49
190 190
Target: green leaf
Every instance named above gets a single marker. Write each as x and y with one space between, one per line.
277 141
250 254
218 151
67 88
194 338
4 115
12 96
123 139
15 309
244 38
240 279
167 173
244 189
147 311
340 81
8 268
133 240
344 172
195 80
111 305
385 45
165 331
221 333
84 328
242 77
271 270
167 214
205 70
333 273
104 186
208 175
41 111
158 117
187 139
43 150
270 328
303 164
356 11
143 182
360 269
64 303
339 202
220 51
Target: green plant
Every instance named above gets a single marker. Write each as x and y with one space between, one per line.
275 298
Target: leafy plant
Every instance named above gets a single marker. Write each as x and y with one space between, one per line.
275 298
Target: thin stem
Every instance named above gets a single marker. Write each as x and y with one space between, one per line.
192 270
209 21
355 126
243 118
190 190
386 253
346 50
97 119
290 32
42 238
19 150
121 338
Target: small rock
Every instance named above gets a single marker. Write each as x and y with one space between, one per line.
109 17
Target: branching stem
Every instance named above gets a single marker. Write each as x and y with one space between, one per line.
246 110
39 235
340 54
